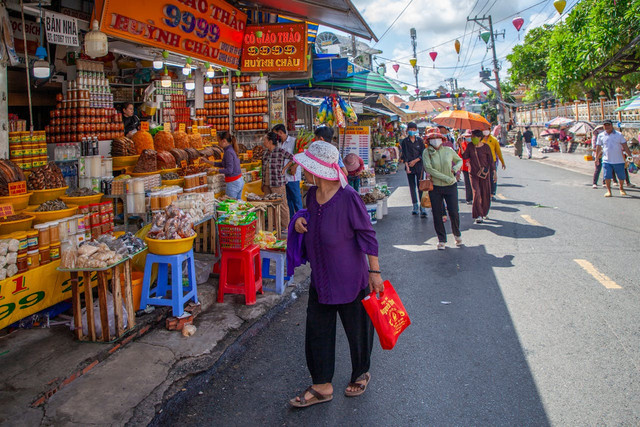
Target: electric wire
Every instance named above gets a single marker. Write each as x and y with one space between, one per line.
393 23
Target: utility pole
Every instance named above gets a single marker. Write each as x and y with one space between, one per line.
416 69
496 71
453 82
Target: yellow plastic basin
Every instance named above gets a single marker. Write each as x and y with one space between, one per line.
123 161
40 196
137 174
19 225
42 217
19 202
170 170
82 200
170 247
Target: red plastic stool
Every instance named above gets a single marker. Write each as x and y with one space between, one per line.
241 273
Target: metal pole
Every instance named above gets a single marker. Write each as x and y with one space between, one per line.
416 69
496 71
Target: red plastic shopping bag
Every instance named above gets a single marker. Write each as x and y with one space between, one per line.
387 314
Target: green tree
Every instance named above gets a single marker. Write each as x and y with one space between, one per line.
529 60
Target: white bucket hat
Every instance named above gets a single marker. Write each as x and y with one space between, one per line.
321 160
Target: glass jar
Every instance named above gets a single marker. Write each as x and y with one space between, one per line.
33 259
45 254
54 251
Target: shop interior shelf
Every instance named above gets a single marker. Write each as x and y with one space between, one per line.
223 115
212 101
251 130
251 99
66 161
235 83
251 115
129 84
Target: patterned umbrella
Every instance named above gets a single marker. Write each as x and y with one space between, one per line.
462 119
582 128
559 121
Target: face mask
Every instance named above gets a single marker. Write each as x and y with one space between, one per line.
435 143
475 140
413 133
468 139
485 132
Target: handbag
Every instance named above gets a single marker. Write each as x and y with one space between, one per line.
425 184
484 172
387 314
425 202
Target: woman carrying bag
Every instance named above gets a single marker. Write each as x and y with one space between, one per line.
481 165
442 163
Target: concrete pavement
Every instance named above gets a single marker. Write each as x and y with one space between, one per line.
510 329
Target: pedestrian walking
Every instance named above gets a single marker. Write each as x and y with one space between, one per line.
230 165
443 163
519 141
275 162
481 163
528 136
411 148
335 235
465 140
612 145
448 140
293 174
598 165
496 153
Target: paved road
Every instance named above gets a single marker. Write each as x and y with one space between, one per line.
540 328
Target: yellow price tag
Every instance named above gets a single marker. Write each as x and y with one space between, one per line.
181 127
195 129
214 133
144 126
167 126
196 162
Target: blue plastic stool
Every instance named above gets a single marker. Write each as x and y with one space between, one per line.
178 297
280 258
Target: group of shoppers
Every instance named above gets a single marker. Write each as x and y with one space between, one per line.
477 156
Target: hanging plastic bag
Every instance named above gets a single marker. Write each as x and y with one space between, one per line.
387 314
425 202
534 142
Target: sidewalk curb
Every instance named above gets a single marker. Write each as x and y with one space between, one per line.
236 348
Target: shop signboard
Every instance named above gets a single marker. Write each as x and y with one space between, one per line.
275 47
277 107
32 33
208 30
356 139
61 29
25 294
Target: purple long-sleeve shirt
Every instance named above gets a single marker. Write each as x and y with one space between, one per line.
230 163
339 238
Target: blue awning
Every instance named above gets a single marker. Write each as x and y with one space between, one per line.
334 68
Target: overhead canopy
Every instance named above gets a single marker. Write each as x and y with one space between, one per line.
631 104
364 82
339 14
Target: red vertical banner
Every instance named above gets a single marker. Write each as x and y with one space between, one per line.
292 115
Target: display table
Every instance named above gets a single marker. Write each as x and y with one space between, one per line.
254 187
269 215
121 293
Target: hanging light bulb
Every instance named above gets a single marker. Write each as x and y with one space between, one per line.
210 71
41 68
239 92
208 87
190 83
262 83
186 70
96 44
165 80
158 62
224 90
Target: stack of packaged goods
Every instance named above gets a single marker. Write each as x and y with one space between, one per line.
26 150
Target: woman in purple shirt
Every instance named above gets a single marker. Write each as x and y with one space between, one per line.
335 235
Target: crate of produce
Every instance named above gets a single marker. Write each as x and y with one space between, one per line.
236 237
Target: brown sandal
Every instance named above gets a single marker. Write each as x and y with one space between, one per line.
361 387
315 399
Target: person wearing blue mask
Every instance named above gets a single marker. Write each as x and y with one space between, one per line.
411 148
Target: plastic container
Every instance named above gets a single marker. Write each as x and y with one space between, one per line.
23 242
54 233
136 287
63 229
236 237
40 196
55 251
41 217
32 240
72 225
44 238
45 254
33 259
19 202
83 200
22 263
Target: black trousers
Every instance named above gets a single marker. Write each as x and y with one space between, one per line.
437 196
468 190
413 186
320 339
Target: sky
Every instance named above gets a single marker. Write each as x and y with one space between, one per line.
438 24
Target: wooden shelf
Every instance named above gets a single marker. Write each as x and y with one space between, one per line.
250 115
214 101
